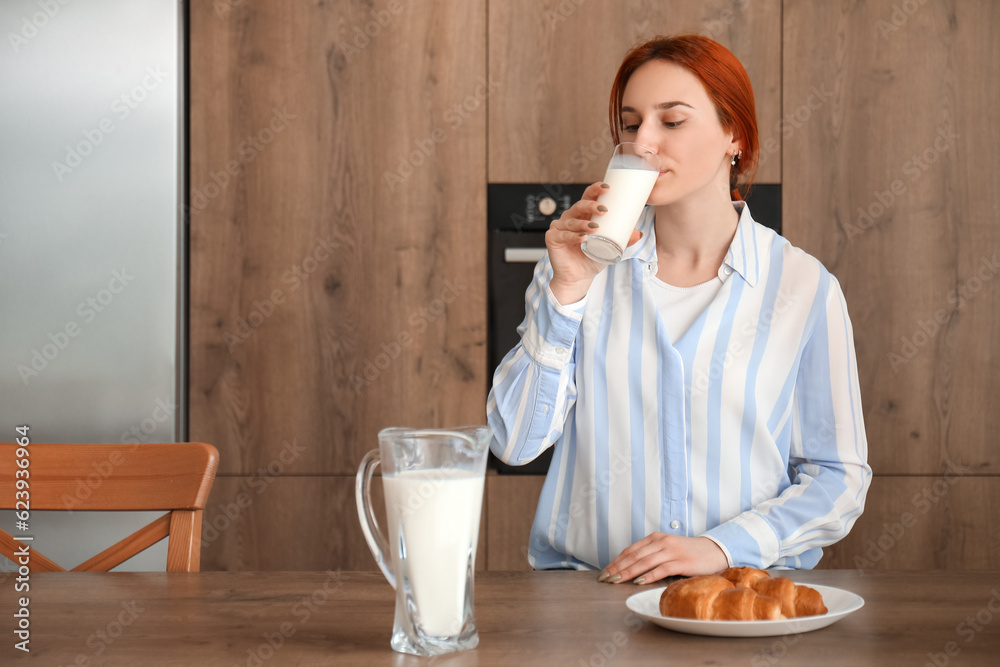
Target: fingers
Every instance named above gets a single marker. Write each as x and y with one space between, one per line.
631 550
574 224
563 237
661 571
643 562
595 190
586 210
580 216
640 558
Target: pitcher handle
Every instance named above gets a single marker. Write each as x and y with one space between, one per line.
366 514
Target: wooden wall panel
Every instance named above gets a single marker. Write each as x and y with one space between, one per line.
887 184
891 184
338 268
338 273
924 523
511 503
292 523
338 173
554 62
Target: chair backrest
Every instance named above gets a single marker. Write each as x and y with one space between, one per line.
169 476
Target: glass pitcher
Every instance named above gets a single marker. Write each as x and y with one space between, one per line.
433 484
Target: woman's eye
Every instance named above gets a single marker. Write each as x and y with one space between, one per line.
635 128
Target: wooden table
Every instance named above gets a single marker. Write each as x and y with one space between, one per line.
524 618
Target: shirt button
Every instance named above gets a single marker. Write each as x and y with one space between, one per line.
727 270
561 351
675 524
545 409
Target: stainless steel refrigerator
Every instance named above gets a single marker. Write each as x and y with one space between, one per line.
91 239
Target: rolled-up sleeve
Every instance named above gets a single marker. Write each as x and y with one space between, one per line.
534 388
828 454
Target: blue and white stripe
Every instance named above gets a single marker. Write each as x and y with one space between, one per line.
748 430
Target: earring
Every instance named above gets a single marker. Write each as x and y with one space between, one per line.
737 157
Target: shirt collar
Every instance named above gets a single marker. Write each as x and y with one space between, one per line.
743 255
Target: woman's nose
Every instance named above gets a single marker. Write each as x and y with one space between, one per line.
645 136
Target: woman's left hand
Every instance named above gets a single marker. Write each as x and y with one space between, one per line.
660 555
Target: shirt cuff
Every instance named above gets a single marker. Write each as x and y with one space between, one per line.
729 557
747 540
551 334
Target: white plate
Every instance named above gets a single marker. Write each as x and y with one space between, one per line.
839 603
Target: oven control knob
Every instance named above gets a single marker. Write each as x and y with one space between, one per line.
547 206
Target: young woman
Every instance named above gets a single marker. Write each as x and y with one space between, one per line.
702 394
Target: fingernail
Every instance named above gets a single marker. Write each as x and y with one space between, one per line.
604 576
602 208
640 581
583 233
593 225
605 186
615 579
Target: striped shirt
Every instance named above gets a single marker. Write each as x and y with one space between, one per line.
748 430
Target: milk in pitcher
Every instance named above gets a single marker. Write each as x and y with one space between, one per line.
436 515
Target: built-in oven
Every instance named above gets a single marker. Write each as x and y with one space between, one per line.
518 216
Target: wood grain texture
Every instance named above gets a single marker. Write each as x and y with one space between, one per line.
149 476
10 548
555 60
185 555
174 477
523 618
947 522
141 540
293 523
511 503
892 184
338 273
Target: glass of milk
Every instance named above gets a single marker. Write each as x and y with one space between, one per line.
632 173
433 485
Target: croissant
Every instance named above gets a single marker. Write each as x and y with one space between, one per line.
713 598
740 594
795 600
744 576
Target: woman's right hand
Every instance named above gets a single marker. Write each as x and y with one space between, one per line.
573 271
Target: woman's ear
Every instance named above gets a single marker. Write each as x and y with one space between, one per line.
735 144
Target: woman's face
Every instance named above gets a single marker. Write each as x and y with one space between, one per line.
666 108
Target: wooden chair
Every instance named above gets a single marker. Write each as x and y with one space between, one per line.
173 476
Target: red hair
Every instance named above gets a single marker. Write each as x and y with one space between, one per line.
724 78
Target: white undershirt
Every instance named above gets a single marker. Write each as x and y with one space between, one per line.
679 307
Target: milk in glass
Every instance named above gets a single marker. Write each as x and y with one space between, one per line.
625 200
